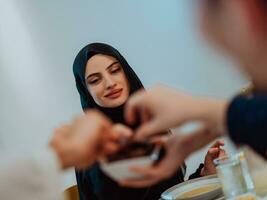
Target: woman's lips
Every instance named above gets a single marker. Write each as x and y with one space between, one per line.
114 94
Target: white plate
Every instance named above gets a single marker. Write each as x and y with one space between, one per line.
174 192
251 195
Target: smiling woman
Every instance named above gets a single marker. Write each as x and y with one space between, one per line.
105 80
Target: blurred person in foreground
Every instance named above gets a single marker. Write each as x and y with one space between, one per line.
238 28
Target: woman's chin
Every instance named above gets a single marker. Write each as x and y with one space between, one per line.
116 103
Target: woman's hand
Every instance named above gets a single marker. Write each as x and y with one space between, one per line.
214 152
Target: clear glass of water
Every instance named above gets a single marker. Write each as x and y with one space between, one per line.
258 168
234 177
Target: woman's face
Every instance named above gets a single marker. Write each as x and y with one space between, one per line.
106 81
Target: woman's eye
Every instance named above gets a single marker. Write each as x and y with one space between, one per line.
93 81
115 70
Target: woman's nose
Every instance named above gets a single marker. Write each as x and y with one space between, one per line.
110 83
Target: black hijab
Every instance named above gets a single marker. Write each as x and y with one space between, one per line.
79 67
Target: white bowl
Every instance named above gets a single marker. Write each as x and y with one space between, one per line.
119 170
138 154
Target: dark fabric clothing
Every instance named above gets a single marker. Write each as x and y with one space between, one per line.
247 121
93 184
197 174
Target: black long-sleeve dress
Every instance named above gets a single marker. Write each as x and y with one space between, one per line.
93 184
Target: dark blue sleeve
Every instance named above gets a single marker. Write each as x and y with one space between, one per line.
247 121
84 186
